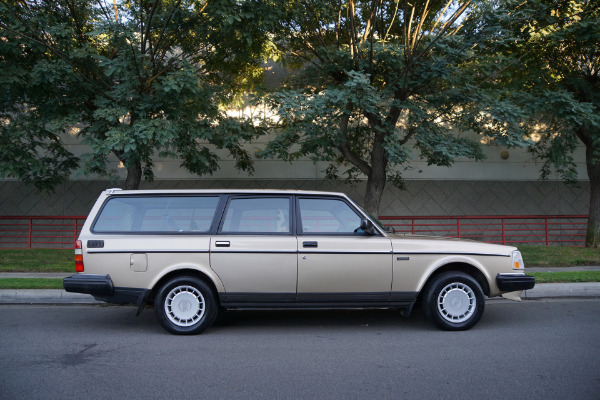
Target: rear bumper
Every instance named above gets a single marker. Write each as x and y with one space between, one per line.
96 285
102 288
514 282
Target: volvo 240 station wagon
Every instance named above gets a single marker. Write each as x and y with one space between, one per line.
193 253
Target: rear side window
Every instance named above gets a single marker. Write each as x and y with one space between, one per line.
160 214
251 215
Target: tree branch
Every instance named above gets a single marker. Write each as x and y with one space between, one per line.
370 23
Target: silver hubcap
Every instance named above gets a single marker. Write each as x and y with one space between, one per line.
184 305
456 302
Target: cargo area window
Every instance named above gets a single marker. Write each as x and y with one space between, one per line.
159 214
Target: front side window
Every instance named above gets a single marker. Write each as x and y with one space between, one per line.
257 215
328 216
168 214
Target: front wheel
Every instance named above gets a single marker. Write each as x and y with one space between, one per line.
185 305
454 301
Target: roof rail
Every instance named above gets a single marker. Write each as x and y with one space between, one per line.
113 190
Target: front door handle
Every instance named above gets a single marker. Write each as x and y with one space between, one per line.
310 244
222 243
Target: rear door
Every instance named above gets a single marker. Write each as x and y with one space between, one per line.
255 251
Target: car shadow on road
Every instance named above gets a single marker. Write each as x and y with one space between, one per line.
323 319
123 318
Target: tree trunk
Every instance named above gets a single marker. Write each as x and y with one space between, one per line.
374 192
377 177
134 171
592 238
134 176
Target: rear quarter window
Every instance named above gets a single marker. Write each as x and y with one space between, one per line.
160 214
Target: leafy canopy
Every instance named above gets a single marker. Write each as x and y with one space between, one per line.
144 79
383 82
556 60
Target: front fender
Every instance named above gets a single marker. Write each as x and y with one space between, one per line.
453 259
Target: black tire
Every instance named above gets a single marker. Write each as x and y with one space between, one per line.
453 301
185 305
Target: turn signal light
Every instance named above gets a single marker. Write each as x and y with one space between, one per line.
517 260
78 257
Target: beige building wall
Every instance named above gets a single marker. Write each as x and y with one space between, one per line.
495 186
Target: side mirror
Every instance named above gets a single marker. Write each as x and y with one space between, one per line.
367 226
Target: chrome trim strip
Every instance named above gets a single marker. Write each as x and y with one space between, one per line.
512 274
344 252
301 251
298 252
222 250
452 254
147 251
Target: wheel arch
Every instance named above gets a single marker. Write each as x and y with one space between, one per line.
463 267
184 272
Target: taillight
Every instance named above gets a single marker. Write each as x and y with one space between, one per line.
78 257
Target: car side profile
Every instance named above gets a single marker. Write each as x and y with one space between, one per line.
193 253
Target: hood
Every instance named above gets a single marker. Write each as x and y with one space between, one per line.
441 244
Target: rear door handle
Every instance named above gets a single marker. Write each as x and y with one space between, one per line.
310 244
222 243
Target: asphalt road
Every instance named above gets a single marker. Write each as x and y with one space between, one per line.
545 349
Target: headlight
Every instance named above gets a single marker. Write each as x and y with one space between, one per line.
517 260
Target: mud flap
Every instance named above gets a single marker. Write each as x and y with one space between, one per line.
142 300
515 296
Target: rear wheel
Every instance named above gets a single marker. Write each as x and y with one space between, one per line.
185 305
454 301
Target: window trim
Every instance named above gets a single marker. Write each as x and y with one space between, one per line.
210 231
300 232
232 197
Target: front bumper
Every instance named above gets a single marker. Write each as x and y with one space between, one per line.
102 288
514 282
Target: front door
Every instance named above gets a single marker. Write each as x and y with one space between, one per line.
337 263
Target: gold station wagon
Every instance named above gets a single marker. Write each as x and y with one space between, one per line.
193 253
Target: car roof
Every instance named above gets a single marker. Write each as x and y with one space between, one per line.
117 191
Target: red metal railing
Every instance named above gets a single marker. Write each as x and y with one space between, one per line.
39 232
568 230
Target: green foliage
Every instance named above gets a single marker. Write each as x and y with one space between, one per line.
381 83
149 80
555 58
569 38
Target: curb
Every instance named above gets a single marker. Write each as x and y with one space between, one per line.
44 296
562 290
59 296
